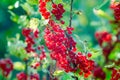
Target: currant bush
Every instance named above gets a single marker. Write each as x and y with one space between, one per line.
52 47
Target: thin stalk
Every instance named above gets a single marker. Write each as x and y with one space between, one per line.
75 77
71 8
26 67
52 1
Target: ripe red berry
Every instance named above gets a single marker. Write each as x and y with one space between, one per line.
54 5
60 5
36 33
21 76
62 22
89 55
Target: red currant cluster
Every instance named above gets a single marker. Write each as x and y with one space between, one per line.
83 63
42 8
23 76
62 44
105 41
57 10
69 30
115 74
103 37
31 37
99 73
116 8
6 66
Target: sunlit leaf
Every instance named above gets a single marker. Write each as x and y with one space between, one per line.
33 23
32 2
19 66
58 73
102 14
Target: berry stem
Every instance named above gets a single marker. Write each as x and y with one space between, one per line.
26 67
71 7
52 1
75 77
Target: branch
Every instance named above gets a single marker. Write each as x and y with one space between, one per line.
71 7
52 1
76 78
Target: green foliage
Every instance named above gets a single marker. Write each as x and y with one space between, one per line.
58 73
88 16
16 47
32 2
67 76
19 66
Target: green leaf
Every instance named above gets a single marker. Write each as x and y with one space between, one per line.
19 66
13 16
102 4
32 2
45 63
81 43
115 54
16 48
33 23
67 76
102 14
58 73
27 8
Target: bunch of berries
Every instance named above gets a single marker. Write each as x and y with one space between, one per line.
6 66
116 7
30 37
69 30
43 9
99 73
105 41
62 44
115 74
23 76
57 10
103 37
